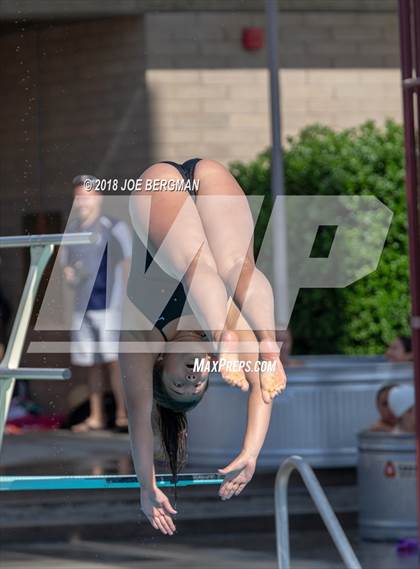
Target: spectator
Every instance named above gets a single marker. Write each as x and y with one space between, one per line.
400 350
77 264
401 403
387 420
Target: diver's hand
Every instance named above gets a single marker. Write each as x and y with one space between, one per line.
237 475
158 510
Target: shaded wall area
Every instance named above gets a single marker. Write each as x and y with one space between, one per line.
74 101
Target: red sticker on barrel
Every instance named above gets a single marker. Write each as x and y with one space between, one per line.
390 470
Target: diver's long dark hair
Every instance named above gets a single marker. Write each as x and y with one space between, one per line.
172 421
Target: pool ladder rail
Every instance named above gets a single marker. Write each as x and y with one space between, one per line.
322 504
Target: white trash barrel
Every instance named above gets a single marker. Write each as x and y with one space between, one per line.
387 486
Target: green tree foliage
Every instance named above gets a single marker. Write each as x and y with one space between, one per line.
366 160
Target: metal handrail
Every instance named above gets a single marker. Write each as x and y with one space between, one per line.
32 373
411 83
323 506
47 239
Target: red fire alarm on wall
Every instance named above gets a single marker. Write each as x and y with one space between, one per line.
252 38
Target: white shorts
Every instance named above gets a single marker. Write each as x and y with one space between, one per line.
93 344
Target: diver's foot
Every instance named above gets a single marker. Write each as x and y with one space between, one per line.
229 361
273 379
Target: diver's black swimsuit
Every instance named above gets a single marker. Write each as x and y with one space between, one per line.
175 306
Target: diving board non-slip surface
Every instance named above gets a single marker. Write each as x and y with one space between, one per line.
33 483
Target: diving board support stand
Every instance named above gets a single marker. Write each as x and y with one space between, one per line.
41 247
323 506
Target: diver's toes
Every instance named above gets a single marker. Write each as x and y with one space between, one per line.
266 396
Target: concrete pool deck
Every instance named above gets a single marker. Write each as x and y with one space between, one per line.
98 529
309 550
66 514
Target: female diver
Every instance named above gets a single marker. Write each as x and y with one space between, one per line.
206 246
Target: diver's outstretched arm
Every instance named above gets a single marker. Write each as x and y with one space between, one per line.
241 470
137 374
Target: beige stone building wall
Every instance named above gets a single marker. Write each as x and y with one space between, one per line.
109 95
209 97
74 100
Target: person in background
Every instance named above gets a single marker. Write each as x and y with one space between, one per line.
400 350
401 402
78 262
387 420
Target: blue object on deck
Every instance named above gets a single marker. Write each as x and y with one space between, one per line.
32 483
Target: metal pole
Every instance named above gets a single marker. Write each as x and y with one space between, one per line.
411 166
279 235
